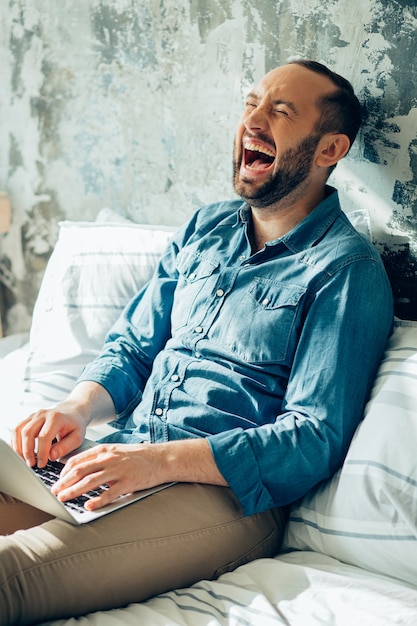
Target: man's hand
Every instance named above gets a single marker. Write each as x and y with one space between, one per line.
56 432
123 467
126 468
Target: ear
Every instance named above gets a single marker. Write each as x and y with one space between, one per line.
332 147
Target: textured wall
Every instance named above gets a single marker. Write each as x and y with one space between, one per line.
132 104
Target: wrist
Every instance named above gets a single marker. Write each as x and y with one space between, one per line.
188 460
91 402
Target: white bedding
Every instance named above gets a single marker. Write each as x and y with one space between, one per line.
300 589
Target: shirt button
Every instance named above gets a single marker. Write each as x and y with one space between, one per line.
198 329
242 257
266 301
197 355
175 377
220 293
158 411
191 276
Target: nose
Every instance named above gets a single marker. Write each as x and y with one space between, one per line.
256 119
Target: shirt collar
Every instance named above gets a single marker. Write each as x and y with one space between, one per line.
311 228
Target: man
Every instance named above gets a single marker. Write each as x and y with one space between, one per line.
241 372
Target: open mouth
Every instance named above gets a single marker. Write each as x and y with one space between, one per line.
257 157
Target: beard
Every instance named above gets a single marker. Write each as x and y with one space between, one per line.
286 182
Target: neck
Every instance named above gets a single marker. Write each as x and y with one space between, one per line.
269 223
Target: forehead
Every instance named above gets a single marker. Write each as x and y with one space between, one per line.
296 84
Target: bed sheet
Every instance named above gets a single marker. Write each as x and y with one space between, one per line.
297 589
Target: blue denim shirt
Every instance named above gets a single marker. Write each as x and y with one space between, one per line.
271 355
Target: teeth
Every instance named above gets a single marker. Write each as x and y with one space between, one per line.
256 148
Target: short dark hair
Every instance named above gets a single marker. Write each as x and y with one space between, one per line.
340 111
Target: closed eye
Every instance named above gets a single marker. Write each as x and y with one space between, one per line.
288 107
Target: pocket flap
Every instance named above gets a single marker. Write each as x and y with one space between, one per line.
195 266
271 294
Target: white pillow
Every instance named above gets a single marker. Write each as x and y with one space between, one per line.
94 270
366 515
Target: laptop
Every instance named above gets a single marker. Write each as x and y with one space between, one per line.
32 485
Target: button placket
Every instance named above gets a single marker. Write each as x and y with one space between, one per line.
162 398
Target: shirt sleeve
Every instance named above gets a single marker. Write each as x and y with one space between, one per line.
340 346
124 365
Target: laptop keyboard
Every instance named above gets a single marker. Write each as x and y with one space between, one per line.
50 474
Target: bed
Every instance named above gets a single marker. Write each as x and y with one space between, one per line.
349 554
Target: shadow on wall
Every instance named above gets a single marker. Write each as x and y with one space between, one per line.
401 266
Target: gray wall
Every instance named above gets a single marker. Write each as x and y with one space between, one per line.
132 105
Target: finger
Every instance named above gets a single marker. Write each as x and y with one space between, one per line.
17 441
29 434
80 472
79 465
65 490
107 496
64 445
44 447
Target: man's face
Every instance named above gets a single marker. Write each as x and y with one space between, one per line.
275 143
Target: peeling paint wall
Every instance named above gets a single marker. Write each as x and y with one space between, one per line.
132 105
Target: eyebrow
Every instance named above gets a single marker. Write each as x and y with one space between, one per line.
287 103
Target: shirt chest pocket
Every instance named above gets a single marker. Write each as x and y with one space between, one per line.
262 324
196 273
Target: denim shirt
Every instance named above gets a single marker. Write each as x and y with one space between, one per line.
271 356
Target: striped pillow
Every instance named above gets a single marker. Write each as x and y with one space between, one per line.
366 515
94 270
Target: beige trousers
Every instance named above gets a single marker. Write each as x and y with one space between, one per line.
172 539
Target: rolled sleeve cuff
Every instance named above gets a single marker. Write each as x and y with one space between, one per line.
236 462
